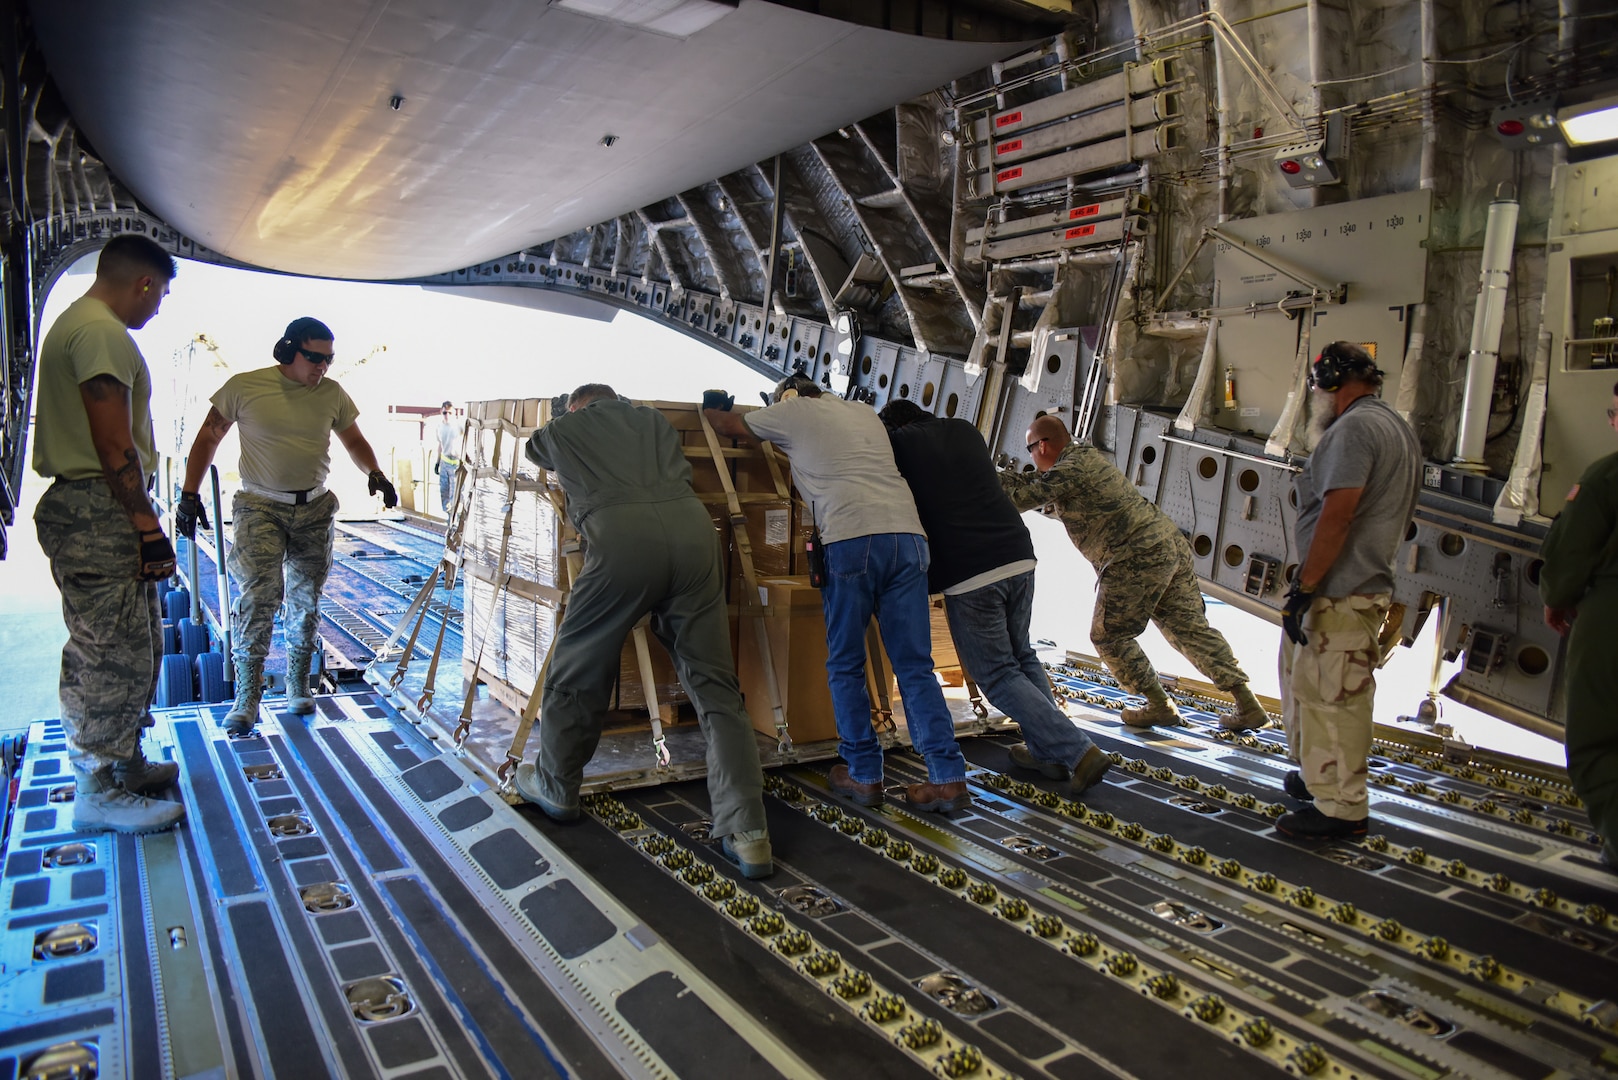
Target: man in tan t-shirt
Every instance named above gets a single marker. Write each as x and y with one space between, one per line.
107 550
283 516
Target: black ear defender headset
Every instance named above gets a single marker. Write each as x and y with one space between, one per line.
299 331
1339 361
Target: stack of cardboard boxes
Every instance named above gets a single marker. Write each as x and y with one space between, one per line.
777 526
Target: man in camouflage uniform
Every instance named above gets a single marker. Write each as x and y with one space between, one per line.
102 536
1143 572
1356 494
1579 584
283 517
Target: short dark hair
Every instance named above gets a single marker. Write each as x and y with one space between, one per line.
126 256
308 329
591 391
446 405
901 412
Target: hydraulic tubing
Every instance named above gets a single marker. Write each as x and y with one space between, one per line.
1499 239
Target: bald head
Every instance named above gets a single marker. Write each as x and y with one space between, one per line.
1047 438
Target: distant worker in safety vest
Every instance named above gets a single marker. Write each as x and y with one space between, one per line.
1144 573
1579 584
97 527
1356 495
650 548
449 456
283 518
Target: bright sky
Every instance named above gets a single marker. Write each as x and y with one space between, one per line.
402 345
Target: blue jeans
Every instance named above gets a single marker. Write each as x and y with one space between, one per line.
990 627
885 575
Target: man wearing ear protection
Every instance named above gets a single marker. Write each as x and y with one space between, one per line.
284 518
876 563
103 538
1356 495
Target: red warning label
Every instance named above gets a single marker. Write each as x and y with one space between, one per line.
1008 119
1006 174
1008 147
1084 211
1079 231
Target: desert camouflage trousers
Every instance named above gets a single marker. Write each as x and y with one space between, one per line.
1327 689
1158 585
114 647
279 550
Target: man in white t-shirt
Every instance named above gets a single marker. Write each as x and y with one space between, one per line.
283 516
876 563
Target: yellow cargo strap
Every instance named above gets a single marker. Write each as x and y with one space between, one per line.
752 603
417 612
530 712
500 580
648 681
876 683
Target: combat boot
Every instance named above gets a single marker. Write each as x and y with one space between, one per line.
1248 713
243 715
142 777
750 850
100 804
299 699
1162 712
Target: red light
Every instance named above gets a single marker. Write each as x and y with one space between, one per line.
1290 167
1509 128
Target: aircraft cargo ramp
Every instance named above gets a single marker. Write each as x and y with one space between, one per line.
346 899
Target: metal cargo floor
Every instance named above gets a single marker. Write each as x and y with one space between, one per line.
344 900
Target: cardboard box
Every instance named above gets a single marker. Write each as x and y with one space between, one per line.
797 635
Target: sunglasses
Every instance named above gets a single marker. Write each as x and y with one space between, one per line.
318 357
1035 443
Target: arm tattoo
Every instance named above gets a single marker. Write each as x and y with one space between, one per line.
104 388
128 484
216 425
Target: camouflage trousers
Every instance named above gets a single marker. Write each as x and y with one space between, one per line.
272 539
114 647
1327 689
1158 585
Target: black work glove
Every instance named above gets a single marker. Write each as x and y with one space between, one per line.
380 483
156 556
558 405
717 399
189 513
1293 612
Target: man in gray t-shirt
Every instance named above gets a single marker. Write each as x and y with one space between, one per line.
1356 495
876 563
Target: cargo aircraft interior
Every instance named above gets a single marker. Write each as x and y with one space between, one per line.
1144 217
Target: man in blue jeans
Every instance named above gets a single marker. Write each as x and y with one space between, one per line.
983 563
876 563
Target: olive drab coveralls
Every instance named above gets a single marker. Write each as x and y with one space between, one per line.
1581 572
650 547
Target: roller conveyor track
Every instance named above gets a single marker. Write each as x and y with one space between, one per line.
1017 938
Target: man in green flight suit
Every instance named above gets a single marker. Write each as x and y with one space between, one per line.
1143 570
650 546
1579 584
